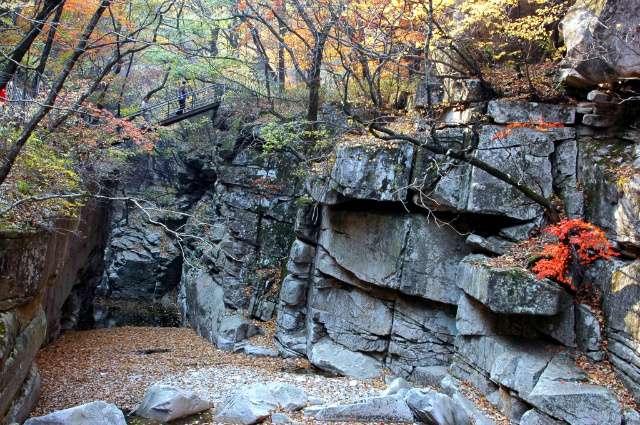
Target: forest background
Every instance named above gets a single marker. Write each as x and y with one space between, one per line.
72 70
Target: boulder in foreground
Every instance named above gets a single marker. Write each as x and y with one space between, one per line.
96 413
167 403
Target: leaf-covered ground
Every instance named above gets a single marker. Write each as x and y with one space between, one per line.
117 365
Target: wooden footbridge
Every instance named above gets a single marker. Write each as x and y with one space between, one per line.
171 112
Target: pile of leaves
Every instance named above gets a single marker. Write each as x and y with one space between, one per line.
602 374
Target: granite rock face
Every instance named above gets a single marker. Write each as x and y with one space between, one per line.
244 226
167 403
46 283
393 251
600 36
98 413
469 189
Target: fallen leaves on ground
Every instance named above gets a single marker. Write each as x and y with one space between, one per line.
118 365
602 374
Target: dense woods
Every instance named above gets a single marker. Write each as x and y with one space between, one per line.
70 69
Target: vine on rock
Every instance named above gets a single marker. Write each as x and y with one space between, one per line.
578 243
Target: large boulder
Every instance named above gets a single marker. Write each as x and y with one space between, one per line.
250 405
167 403
368 171
332 357
253 403
393 251
510 291
601 39
388 409
96 413
291 398
434 408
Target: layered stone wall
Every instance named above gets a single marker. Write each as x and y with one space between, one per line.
413 289
46 282
390 259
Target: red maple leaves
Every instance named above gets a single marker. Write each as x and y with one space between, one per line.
577 240
537 123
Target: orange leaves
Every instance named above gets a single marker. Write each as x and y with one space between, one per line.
502 134
538 123
555 267
578 241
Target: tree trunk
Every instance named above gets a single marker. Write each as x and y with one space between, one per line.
44 57
57 86
25 44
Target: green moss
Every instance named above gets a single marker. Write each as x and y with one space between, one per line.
516 273
3 334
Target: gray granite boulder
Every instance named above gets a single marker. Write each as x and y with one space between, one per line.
396 386
167 403
253 403
601 39
96 413
291 398
507 112
431 376
510 291
535 417
252 350
332 357
563 392
435 408
368 171
393 251
389 409
233 329
250 405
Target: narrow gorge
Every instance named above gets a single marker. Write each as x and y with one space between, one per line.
384 260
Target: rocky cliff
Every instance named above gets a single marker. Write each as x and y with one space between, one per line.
47 279
390 259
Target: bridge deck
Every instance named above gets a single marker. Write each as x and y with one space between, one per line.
196 102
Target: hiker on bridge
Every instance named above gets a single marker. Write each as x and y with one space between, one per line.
144 110
182 97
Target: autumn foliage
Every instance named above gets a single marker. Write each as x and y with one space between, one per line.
577 241
538 123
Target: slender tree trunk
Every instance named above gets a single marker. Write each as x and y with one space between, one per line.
44 57
57 86
281 69
25 44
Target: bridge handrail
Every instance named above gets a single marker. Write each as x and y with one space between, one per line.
153 107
